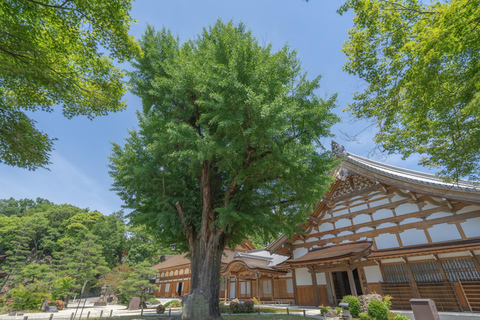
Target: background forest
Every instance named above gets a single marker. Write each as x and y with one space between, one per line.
54 249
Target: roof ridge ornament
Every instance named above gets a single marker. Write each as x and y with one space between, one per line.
338 150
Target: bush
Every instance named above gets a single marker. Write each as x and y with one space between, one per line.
30 298
255 301
324 310
222 307
400 317
173 304
160 308
57 303
377 310
354 305
363 316
387 300
248 306
236 306
339 310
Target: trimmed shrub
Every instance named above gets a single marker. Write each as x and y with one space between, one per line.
248 306
363 316
222 307
377 310
160 309
400 317
236 306
387 300
255 301
173 304
30 298
354 305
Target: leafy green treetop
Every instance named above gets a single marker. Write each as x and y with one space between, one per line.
51 54
228 145
421 64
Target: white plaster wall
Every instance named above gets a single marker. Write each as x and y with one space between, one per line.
377 196
411 220
358 208
303 277
346 241
321 280
382 214
413 236
345 233
471 227
379 202
364 229
438 215
476 252
406 208
394 260
386 240
289 286
417 258
339 212
361 218
428 205
299 252
313 239
325 227
343 223
468 209
328 236
453 255
298 242
373 274
386 225
397 197
444 232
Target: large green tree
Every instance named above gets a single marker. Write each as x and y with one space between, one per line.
51 53
421 65
228 145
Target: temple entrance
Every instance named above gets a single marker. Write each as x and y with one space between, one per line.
342 285
179 289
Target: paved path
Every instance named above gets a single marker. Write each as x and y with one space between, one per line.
120 310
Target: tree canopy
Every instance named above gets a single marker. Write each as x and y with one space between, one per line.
228 144
420 62
51 53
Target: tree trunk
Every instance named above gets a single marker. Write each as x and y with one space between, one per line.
205 273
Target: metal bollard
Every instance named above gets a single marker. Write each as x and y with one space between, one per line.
141 313
25 318
101 313
169 312
51 316
88 314
288 311
111 312
304 315
71 317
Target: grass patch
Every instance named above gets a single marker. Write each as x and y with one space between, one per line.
266 316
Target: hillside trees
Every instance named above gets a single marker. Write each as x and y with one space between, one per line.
62 245
51 53
420 62
228 145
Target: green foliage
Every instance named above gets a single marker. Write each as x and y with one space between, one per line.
51 54
324 310
387 300
236 306
339 310
222 307
174 304
377 310
58 303
255 301
137 284
354 305
160 309
400 317
62 287
421 62
30 297
250 116
363 316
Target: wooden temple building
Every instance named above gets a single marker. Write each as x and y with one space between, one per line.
378 229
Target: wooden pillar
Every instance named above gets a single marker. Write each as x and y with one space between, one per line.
311 269
227 286
294 279
330 288
416 293
351 282
237 287
257 276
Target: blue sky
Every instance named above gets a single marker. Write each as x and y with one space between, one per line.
79 173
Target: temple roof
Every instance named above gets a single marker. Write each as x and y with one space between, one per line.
355 250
